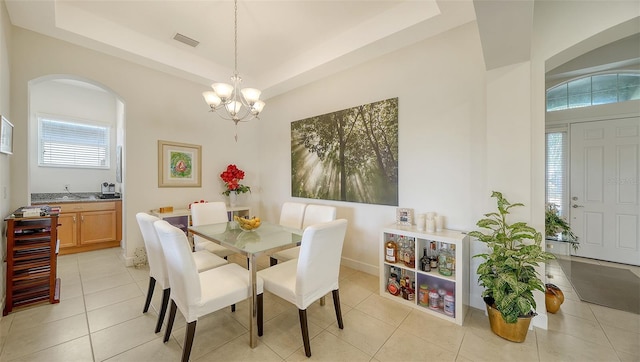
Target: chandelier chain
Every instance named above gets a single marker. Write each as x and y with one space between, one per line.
235 38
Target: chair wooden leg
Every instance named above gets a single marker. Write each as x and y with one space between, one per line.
260 315
273 261
152 284
163 308
323 301
233 308
305 331
172 317
188 340
336 304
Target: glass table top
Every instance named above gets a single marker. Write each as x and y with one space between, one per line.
268 237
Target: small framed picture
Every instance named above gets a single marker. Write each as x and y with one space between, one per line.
404 216
6 137
179 164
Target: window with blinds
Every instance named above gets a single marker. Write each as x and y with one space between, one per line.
65 143
556 170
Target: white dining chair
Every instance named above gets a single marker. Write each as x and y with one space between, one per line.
313 214
209 213
315 273
291 216
204 260
198 294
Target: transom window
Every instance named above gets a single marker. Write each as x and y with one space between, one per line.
72 143
594 90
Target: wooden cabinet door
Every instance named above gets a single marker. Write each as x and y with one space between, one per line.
67 231
97 226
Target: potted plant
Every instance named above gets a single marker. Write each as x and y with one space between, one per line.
555 224
508 271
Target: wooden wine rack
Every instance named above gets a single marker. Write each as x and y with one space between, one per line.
31 261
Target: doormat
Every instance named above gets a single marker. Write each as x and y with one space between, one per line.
603 285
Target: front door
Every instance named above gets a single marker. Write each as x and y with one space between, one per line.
605 162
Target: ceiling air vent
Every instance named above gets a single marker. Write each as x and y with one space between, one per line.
185 39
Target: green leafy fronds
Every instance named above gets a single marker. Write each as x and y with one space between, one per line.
508 272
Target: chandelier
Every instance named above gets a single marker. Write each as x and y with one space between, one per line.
226 100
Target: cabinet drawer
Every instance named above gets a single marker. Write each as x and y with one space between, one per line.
86 206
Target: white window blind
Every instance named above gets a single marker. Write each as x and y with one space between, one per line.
556 169
64 143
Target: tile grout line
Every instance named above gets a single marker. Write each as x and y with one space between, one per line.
86 312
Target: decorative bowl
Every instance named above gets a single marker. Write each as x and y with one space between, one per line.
247 224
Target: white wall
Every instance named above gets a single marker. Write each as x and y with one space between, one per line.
51 97
440 86
5 160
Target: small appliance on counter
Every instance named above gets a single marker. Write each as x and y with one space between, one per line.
108 191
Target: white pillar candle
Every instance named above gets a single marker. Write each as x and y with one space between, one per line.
420 221
439 223
431 225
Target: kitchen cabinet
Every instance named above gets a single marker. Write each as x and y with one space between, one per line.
443 293
31 262
85 226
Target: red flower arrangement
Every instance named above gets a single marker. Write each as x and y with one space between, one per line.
231 178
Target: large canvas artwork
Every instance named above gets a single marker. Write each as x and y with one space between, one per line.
348 155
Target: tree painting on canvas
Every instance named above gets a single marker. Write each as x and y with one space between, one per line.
349 155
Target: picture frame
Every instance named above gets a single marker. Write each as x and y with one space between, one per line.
179 164
119 164
404 216
6 136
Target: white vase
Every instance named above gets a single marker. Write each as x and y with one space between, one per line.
233 199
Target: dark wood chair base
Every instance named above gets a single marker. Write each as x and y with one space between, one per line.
163 308
147 303
304 326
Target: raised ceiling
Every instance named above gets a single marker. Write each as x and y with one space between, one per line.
281 44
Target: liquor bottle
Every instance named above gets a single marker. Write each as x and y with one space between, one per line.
444 260
410 253
403 246
391 250
425 262
433 256
453 258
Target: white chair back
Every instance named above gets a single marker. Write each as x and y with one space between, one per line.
207 213
183 273
155 255
292 214
318 214
319 261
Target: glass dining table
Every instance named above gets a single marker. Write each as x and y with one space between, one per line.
268 238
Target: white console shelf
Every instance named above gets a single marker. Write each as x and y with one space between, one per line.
457 283
181 218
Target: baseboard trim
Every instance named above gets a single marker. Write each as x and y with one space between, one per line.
128 260
358 265
541 321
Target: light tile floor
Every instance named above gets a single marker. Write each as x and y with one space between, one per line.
100 318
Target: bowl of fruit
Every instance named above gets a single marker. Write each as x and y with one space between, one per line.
247 224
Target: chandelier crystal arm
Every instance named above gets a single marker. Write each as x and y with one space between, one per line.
228 100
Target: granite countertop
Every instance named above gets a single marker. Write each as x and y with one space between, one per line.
65 197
